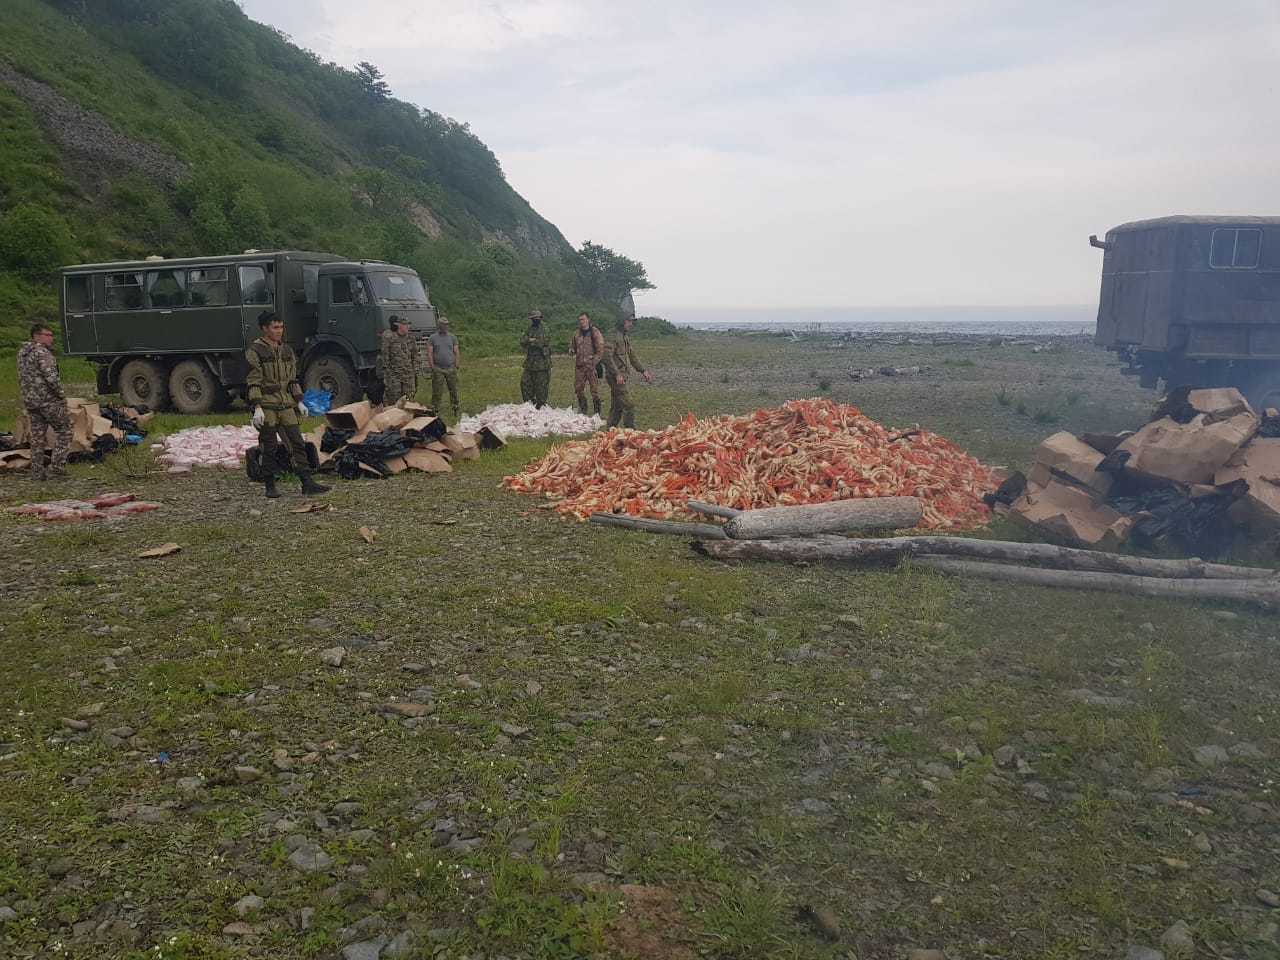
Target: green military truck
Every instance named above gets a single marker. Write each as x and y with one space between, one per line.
171 334
1195 301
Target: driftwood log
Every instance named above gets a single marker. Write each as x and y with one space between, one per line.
713 509
893 549
1261 593
704 531
838 516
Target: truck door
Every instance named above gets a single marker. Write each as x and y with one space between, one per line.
77 303
351 313
257 293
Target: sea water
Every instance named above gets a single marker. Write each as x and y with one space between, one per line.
1009 321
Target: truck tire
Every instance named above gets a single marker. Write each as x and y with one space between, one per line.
1263 391
143 383
335 375
193 388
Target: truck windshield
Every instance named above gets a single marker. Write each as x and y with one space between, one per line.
397 288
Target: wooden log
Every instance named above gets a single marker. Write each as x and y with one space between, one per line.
837 516
705 531
712 509
893 549
1258 593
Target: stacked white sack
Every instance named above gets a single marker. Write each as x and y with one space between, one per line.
206 447
526 420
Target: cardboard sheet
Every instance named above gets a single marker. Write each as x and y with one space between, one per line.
1068 515
428 461
1188 452
1258 464
353 416
1065 456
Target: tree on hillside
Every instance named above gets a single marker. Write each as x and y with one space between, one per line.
606 275
375 87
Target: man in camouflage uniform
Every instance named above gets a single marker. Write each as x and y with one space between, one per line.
535 381
42 396
398 362
276 396
587 350
444 360
619 359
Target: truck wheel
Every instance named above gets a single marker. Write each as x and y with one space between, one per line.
1263 392
142 383
194 388
335 375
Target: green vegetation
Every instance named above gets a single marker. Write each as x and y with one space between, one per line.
235 138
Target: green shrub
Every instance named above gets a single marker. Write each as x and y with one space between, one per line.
34 241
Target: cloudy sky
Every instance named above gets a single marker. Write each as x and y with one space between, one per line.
843 154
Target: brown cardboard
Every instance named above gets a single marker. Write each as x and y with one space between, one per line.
390 419
1259 465
1066 456
490 439
462 445
394 465
15 459
353 416
424 428
1219 403
1068 514
428 461
414 408
1188 452
1104 443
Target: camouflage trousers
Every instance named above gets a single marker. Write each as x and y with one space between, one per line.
282 425
584 377
50 417
622 410
535 386
439 380
397 385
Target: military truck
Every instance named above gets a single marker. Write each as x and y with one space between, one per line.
171 334
1195 301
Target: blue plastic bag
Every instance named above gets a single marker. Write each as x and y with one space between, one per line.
317 402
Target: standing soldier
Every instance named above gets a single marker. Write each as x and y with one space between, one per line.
42 396
587 350
535 381
620 358
398 362
444 360
276 396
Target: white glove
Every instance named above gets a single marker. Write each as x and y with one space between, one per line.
259 418
302 409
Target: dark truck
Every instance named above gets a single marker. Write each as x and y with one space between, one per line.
173 332
1195 301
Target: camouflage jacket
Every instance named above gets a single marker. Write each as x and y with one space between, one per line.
620 354
398 353
273 375
537 345
587 348
38 382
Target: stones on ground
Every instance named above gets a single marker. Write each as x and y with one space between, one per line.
7 914
305 916
512 729
1177 940
60 867
815 806
333 656
79 726
1248 751
414 667
465 681
1136 952
930 787
926 954
238 929
188 786
1093 699
310 858
1005 755
247 905
1037 791
408 709
1211 755
319 624
91 709
365 949
281 760
939 771
1201 843
401 945
248 774
1268 898
533 688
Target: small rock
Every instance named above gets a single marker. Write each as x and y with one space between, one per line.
1136 952
319 624
91 709
1037 791
930 787
309 858
305 916
60 867
824 921
414 667
248 774
590 881
1178 940
281 760
247 905
77 725
401 945
939 771
1268 898
238 929
189 785
1201 843
1147 627
465 681
978 726
346 808
1005 755
406 709
919 954
1225 615
364 950
814 805
1211 755
533 688
512 729
333 656
1249 751
7 914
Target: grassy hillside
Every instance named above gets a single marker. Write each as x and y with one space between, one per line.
138 127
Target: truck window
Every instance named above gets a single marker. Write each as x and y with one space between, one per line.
124 291
167 288
208 287
1233 249
79 294
341 290
256 286
310 281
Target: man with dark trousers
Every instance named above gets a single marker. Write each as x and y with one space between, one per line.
276 397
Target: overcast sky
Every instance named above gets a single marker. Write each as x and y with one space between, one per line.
843 154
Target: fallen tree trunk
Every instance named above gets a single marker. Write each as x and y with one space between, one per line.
713 509
837 516
705 531
893 549
1258 593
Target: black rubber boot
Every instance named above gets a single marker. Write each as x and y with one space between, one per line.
582 406
629 420
309 486
596 404
272 492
